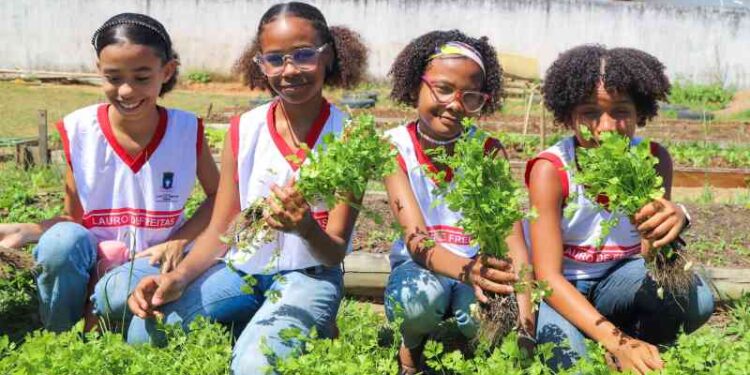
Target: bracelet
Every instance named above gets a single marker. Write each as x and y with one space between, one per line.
688 219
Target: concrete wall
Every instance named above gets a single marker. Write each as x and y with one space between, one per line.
699 43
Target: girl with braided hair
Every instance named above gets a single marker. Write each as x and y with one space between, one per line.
294 54
131 166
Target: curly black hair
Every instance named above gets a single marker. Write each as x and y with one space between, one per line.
141 29
350 54
574 76
411 63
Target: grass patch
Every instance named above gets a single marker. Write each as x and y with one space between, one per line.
21 102
700 97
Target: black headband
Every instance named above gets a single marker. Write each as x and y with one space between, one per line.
164 37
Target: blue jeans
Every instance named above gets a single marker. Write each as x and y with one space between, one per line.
628 298
66 254
111 293
309 298
426 299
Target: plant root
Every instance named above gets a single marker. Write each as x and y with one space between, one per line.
497 318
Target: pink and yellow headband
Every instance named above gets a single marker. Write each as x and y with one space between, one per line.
458 49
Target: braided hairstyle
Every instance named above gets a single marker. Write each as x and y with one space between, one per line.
411 63
350 54
136 28
576 73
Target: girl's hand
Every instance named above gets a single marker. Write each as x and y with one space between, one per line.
489 274
168 254
637 356
154 291
660 222
289 210
14 236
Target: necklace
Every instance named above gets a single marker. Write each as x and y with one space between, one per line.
436 141
295 141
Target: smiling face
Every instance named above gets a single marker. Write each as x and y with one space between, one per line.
443 121
604 111
284 35
133 76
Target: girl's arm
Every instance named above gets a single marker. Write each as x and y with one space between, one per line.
520 257
545 194
19 234
483 273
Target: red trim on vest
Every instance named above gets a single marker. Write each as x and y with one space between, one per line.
449 234
401 163
552 158
492 145
310 139
140 218
65 142
134 162
422 157
199 141
592 254
322 218
234 141
654 147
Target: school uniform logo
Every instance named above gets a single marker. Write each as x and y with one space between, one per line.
167 179
167 183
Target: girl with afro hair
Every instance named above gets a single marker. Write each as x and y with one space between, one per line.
435 271
604 295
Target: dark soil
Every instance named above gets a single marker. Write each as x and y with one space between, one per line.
719 235
15 259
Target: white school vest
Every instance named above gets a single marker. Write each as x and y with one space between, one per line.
261 155
581 259
441 222
123 196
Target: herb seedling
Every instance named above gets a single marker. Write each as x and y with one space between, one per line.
490 201
627 176
337 172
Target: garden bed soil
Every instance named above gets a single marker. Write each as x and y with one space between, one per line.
16 259
719 235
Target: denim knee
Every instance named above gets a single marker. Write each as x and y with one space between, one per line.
568 340
111 294
65 245
701 305
418 297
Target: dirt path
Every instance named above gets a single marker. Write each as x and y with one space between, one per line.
740 103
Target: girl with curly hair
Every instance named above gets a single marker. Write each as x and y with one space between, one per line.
294 54
604 293
435 271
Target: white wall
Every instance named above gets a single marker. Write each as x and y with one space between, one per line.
698 43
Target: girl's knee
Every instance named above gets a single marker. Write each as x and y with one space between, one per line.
701 305
111 294
65 244
417 308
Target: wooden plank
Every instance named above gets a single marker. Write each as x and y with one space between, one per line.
366 274
363 262
43 149
716 177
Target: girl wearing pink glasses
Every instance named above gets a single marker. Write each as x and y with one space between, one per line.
435 271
